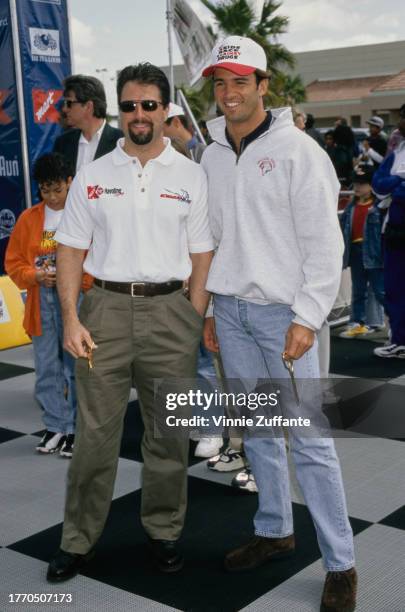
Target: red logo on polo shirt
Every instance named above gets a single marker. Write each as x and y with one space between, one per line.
94 192
44 105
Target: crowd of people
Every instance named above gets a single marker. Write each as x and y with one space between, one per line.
372 224
151 212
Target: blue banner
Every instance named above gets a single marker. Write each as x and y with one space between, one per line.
12 197
45 58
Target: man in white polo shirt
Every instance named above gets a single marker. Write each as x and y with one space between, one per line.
141 213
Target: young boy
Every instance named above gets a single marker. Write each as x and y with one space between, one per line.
31 263
361 225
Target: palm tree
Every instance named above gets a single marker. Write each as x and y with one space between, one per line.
288 89
236 17
196 101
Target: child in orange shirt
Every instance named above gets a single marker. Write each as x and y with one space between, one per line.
31 263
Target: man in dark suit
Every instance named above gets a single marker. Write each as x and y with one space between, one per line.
85 111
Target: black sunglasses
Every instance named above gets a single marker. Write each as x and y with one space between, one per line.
128 106
69 103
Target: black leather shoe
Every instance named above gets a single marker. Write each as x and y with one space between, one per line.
65 565
166 555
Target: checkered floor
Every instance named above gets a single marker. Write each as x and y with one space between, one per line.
122 578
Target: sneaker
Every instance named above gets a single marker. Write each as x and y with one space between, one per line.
228 461
195 435
245 481
51 442
67 447
208 447
391 350
356 330
378 328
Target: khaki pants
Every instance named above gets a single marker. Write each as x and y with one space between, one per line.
139 340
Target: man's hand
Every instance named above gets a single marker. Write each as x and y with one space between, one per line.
210 336
298 340
77 340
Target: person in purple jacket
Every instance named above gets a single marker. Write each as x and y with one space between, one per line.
389 182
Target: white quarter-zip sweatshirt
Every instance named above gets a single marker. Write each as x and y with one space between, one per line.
273 214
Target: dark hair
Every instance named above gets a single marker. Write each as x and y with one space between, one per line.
310 121
202 124
181 118
342 120
402 111
363 174
344 136
87 88
259 78
329 133
51 168
147 74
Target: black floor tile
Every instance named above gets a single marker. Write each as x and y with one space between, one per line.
356 358
396 519
219 518
132 436
9 370
378 411
9 434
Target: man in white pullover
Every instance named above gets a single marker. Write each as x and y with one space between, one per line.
273 212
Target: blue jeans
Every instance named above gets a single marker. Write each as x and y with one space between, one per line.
207 383
394 263
375 311
251 339
54 368
205 365
361 278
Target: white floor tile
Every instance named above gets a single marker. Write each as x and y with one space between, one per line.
380 564
22 574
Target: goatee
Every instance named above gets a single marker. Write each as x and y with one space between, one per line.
142 138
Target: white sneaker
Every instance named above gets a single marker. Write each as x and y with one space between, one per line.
390 350
228 461
356 330
51 442
208 447
68 445
245 481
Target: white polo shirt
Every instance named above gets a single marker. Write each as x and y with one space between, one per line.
138 223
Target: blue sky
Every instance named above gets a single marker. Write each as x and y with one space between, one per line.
113 34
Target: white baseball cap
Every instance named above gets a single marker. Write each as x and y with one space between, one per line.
175 110
240 55
376 121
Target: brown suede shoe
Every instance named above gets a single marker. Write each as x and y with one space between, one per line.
339 592
258 552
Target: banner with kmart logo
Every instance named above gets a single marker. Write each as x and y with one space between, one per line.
35 58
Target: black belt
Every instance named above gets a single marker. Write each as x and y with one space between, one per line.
140 289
